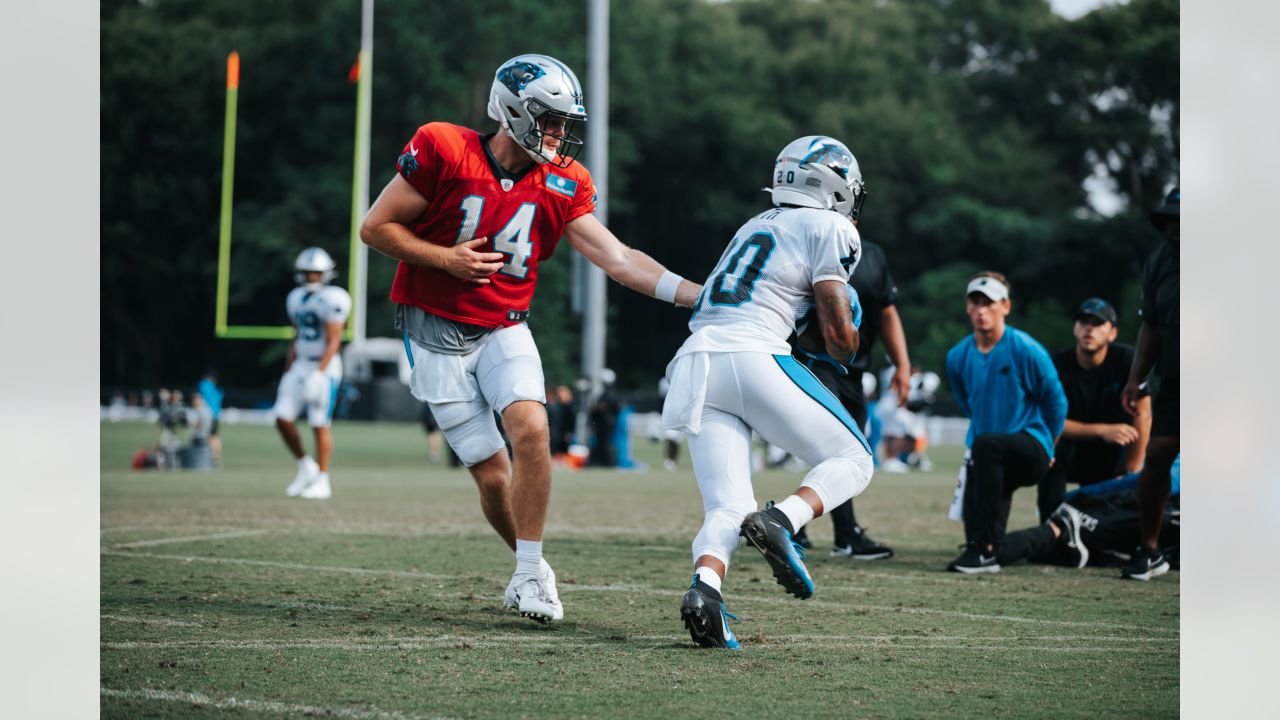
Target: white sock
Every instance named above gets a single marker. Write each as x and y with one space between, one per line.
797 511
322 477
529 557
710 577
302 462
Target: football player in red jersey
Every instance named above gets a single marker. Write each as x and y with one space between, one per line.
470 217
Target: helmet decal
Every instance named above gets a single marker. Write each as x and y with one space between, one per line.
517 75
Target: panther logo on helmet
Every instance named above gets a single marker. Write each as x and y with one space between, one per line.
820 172
538 101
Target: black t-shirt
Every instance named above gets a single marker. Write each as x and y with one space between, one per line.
1093 396
1160 305
876 292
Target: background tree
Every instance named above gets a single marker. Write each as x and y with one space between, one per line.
976 123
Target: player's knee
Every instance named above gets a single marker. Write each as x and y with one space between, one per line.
491 477
838 479
475 440
528 430
986 447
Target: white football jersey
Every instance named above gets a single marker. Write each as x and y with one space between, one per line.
764 280
310 311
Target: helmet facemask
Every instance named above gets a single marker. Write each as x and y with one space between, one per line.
552 136
538 101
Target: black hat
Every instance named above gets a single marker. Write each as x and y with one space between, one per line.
1168 209
1098 308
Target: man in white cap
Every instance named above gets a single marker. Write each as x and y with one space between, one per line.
1006 384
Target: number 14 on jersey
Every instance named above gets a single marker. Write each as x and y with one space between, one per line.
513 240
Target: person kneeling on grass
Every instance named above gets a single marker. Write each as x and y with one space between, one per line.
1095 525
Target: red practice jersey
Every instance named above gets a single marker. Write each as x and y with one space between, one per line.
448 165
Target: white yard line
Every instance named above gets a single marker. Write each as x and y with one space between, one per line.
544 640
189 539
674 592
283 565
257 706
149 621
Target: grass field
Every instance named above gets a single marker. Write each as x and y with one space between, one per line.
223 598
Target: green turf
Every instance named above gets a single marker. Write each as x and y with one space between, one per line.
223 598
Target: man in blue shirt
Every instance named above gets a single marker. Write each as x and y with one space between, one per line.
212 395
1006 384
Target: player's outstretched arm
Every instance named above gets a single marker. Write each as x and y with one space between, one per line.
385 229
628 266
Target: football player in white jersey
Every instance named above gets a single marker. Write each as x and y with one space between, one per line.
313 370
736 374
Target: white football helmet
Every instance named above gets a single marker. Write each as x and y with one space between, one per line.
530 90
816 171
314 259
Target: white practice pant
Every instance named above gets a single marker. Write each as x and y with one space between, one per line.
786 405
464 391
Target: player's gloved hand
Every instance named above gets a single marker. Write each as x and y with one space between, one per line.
809 358
855 307
315 386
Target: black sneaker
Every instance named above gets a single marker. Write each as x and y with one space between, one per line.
862 547
1145 564
770 532
702 610
975 560
1070 521
801 538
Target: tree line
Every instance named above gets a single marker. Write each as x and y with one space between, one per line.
976 124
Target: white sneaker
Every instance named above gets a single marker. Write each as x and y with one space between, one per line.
511 601
532 598
669 464
319 489
306 474
894 465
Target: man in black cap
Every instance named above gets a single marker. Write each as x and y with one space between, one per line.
1100 440
1158 349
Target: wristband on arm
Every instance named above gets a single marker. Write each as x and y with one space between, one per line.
667 286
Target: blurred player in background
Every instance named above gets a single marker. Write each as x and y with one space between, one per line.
313 369
735 374
470 216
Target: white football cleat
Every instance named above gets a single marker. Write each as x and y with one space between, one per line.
306 474
511 600
319 489
532 599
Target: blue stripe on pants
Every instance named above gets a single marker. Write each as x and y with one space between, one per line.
407 351
814 388
333 396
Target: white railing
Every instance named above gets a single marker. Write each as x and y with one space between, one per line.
230 415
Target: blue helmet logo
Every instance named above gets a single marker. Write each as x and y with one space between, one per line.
518 75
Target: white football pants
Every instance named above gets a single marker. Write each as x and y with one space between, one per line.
782 401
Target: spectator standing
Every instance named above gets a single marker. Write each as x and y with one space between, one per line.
212 394
1158 349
